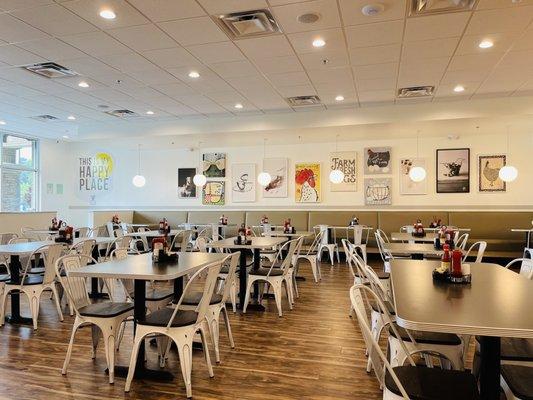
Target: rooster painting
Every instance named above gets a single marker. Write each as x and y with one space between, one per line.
491 174
307 178
489 170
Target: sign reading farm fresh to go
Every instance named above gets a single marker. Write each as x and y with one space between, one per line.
95 175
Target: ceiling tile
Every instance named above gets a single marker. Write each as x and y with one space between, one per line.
234 69
12 5
130 62
96 44
279 64
13 55
525 42
520 60
287 16
52 49
289 79
375 71
156 76
168 10
468 75
274 46
341 74
469 44
408 78
146 93
89 66
143 37
297 90
303 41
447 90
429 48
503 20
229 6
194 31
376 96
325 60
352 14
479 61
488 4
367 85
54 20
12 30
217 52
436 26
375 54
89 10
170 58
73 83
377 34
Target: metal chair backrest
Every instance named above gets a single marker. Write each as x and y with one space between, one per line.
230 278
212 271
54 252
383 235
19 240
28 265
201 244
101 231
461 241
381 245
526 266
183 238
6 237
118 233
349 249
324 230
357 234
110 229
286 262
316 242
84 247
83 232
480 252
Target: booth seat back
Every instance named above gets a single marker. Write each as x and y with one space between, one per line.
298 218
153 217
392 221
342 219
213 217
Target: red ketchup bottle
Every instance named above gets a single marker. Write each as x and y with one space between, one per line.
445 260
457 256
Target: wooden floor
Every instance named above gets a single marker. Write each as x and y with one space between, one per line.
312 352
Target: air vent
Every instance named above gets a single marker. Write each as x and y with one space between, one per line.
415 91
429 7
308 18
122 113
50 70
301 101
45 118
248 24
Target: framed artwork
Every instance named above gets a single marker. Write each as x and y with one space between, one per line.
345 161
378 191
277 168
453 170
214 165
214 193
243 183
377 160
407 185
488 172
186 187
307 179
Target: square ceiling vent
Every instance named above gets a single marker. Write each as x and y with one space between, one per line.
45 118
122 113
415 91
247 24
430 7
303 101
50 70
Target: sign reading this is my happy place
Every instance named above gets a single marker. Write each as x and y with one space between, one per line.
95 174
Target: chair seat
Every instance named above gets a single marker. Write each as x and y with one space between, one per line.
422 383
36 271
264 272
308 254
161 318
447 339
30 280
380 274
389 306
105 310
519 378
515 349
157 294
4 278
193 299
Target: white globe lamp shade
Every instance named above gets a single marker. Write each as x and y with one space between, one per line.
417 174
508 173
264 178
336 176
199 180
138 181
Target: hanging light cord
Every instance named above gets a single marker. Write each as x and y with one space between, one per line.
264 148
139 164
417 140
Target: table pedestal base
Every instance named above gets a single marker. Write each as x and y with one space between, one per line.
144 373
19 320
489 373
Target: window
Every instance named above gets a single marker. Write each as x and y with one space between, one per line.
18 173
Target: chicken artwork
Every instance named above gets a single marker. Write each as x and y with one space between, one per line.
307 179
491 174
489 169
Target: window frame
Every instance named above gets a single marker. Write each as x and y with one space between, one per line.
36 201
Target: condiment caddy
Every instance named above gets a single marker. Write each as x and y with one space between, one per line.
287 226
451 268
223 220
244 235
264 220
354 221
161 252
164 227
418 229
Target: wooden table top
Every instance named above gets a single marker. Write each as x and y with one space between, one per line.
257 243
404 237
498 302
141 267
412 248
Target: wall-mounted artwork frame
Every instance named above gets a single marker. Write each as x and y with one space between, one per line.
488 173
407 185
308 182
345 161
278 169
186 186
377 160
378 191
214 165
214 193
243 183
453 170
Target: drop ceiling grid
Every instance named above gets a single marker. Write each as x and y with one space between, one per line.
28 26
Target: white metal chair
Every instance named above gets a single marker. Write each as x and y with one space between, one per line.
34 285
182 240
223 275
480 251
332 248
461 241
311 255
515 381
411 381
82 232
526 266
274 277
104 317
180 326
386 256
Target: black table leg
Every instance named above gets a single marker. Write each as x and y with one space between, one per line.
14 271
95 290
489 373
415 256
139 313
254 305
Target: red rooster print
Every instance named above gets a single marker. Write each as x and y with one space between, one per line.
306 178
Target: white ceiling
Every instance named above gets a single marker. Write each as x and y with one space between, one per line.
152 45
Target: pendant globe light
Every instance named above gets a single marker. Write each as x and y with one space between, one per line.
139 180
199 179
336 176
264 178
417 174
508 173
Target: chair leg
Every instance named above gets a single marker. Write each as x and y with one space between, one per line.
34 298
184 345
133 361
276 286
95 334
228 326
56 299
213 324
233 296
206 351
120 335
314 267
70 345
109 346
331 253
3 307
247 296
289 290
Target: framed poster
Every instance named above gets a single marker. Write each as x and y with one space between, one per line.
214 193
186 187
308 182
488 173
453 170
345 161
214 165
377 160
277 168
243 183
407 185
378 191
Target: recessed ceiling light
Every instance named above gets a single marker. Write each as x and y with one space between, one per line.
339 98
194 74
486 44
372 9
239 106
108 14
83 84
150 112
319 43
65 136
459 88
71 117
3 122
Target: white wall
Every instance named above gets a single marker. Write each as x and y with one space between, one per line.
160 169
